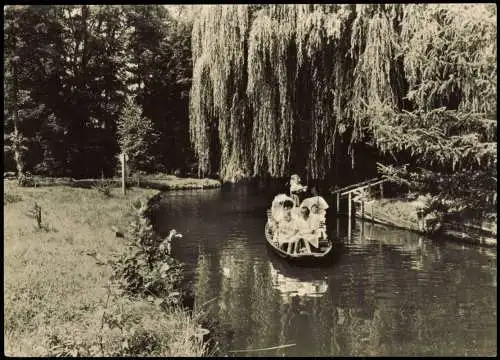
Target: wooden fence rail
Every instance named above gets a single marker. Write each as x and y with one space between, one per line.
349 190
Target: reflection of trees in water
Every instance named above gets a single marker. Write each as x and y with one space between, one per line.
374 303
265 311
248 307
235 293
417 313
203 277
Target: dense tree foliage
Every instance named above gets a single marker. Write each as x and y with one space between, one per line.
68 71
285 83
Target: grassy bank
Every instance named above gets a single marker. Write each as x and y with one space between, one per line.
163 182
56 279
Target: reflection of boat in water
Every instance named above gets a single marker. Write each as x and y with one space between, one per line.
290 284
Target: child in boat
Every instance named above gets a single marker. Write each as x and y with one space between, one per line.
317 219
279 210
280 204
296 188
307 234
286 231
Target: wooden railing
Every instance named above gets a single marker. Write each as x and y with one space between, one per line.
352 186
349 190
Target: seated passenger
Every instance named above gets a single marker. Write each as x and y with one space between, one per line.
286 231
317 219
306 233
279 208
304 221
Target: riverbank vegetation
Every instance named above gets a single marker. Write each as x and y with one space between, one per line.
156 181
58 297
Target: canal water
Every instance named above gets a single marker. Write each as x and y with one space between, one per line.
386 292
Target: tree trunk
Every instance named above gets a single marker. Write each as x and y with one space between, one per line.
16 148
17 138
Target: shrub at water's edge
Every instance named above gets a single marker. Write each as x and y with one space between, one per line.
58 300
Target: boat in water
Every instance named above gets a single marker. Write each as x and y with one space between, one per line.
322 248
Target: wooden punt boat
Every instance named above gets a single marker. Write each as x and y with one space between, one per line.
315 257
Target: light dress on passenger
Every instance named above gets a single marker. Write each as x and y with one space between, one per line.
286 230
317 222
308 233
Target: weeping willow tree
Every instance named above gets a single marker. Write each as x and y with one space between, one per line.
301 78
218 105
275 87
271 103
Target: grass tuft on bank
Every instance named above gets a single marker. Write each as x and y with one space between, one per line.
56 276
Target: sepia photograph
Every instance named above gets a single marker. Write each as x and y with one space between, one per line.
250 180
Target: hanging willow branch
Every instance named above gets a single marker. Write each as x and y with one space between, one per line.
373 37
219 58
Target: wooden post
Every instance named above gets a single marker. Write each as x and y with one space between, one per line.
349 229
338 202
372 211
123 158
349 201
382 190
362 210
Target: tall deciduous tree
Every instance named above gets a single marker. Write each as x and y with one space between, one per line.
22 110
160 68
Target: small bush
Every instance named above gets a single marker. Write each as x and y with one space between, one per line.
104 187
137 176
26 180
36 213
143 270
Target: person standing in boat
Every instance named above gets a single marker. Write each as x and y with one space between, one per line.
296 188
